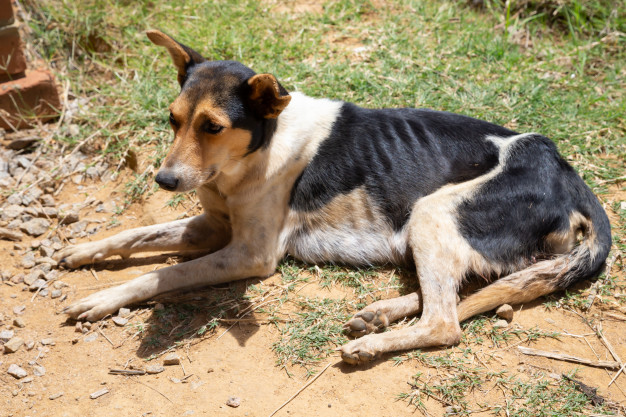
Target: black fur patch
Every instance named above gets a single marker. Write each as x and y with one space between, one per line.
509 218
398 155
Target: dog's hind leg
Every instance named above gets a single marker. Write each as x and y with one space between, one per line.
376 316
199 233
443 258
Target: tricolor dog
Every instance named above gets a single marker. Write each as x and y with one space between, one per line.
281 173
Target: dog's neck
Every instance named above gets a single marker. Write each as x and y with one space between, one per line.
300 128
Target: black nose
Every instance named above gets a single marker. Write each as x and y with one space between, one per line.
166 181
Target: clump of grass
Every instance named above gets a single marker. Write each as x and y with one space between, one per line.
313 334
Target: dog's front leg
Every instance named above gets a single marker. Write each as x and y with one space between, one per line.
236 261
196 233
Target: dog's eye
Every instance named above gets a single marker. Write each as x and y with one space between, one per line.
212 128
173 121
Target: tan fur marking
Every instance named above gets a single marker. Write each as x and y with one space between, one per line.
179 56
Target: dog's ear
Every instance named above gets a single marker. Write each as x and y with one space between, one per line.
267 97
183 56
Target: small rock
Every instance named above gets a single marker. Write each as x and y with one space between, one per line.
208 371
87 325
154 369
99 393
500 324
171 359
56 294
233 402
17 310
59 284
78 328
91 337
29 345
44 292
35 227
12 211
46 251
505 312
10 235
6 335
28 260
19 322
33 276
45 260
39 370
47 342
120 321
13 345
16 372
68 217
47 200
55 396
39 284
124 312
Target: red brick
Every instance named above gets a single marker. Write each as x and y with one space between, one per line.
6 13
12 60
31 98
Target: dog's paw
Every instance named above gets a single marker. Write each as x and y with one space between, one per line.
359 351
77 255
97 305
366 322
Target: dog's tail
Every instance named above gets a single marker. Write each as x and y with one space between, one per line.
584 261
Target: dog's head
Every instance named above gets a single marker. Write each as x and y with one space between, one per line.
224 112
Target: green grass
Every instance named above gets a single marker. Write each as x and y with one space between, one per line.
554 67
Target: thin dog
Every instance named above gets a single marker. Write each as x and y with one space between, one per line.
326 181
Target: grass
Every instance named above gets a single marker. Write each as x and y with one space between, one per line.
554 67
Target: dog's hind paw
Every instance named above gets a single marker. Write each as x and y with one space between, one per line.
366 322
358 352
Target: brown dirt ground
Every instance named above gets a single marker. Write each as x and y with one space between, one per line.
241 362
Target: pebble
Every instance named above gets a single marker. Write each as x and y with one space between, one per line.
91 337
56 294
55 396
10 235
99 393
124 312
28 260
154 369
233 402
13 345
120 321
171 359
29 345
39 370
68 217
19 322
47 342
38 284
6 335
16 372
33 276
505 312
19 310
35 227
47 200
45 260
500 324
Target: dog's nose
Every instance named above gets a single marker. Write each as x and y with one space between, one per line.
166 181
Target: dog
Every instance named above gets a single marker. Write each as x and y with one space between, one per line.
326 181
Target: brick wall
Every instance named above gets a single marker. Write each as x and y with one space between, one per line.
25 96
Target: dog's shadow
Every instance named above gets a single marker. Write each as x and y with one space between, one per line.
187 317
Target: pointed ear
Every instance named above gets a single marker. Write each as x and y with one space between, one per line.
267 96
183 56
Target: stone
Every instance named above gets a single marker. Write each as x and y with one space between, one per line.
56 294
68 217
39 284
19 322
13 345
47 200
47 342
124 312
99 393
28 260
31 195
17 310
55 396
46 251
233 402
42 261
16 372
12 58
33 276
35 227
500 324
505 312
154 369
39 370
12 235
120 321
91 337
171 359
6 335
29 345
